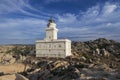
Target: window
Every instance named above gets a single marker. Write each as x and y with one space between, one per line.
49 37
59 45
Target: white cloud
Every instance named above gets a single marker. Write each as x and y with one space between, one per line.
20 6
11 6
17 22
66 18
72 30
97 21
92 12
109 8
22 28
109 24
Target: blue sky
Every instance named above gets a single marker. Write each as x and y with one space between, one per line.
24 21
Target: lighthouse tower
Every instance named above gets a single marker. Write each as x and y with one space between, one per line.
51 30
51 46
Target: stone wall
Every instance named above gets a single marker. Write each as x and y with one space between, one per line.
53 49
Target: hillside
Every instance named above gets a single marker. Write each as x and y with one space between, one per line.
110 46
92 60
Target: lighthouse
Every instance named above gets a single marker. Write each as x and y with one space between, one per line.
51 46
51 30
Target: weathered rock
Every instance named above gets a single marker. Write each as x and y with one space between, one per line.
82 76
13 77
103 67
1 73
106 53
92 60
34 76
91 65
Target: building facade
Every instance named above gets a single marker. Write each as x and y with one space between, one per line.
51 46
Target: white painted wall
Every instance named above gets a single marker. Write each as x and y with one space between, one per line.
51 32
51 46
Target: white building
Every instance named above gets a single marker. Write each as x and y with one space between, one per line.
51 46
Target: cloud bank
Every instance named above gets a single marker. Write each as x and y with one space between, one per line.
20 20
97 21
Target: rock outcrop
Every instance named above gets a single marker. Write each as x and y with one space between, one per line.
91 60
13 77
